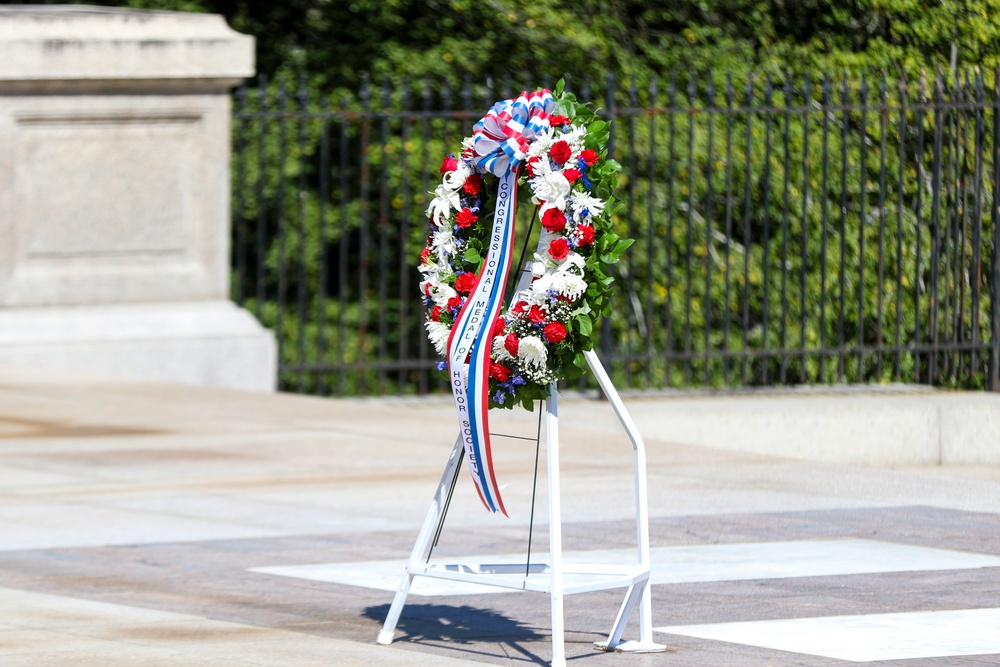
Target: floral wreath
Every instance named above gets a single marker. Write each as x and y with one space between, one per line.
542 336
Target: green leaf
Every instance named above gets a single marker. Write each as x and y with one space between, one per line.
472 255
564 108
560 87
584 324
623 245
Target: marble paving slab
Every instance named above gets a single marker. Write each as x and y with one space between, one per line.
680 564
865 638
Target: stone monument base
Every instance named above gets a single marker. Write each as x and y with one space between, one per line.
210 343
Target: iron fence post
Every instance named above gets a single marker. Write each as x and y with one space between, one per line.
995 263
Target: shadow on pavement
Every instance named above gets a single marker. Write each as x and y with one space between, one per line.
462 625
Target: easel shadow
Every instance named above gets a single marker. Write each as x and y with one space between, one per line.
456 626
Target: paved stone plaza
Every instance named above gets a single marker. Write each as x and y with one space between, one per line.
153 524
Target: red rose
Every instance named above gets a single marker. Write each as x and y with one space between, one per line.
536 314
560 152
554 332
571 174
510 344
590 157
553 220
519 307
472 184
586 234
499 373
449 164
425 255
465 218
465 282
498 327
559 249
436 313
455 302
556 120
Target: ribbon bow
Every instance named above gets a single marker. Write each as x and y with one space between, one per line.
503 136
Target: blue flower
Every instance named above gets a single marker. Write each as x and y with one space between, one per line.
499 397
442 365
517 380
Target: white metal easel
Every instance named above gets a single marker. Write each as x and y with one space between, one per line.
550 578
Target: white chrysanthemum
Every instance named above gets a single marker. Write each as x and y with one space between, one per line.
549 186
581 201
468 143
438 333
542 144
500 352
569 284
574 136
531 350
565 279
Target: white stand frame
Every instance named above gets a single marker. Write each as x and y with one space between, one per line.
550 578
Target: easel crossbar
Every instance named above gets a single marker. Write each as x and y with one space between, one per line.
511 575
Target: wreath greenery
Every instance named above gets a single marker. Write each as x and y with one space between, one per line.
549 324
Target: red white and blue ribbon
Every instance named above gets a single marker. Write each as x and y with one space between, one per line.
500 143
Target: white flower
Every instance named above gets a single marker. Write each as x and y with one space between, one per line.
438 333
581 201
531 350
454 180
574 136
444 240
549 186
569 284
574 263
440 207
442 293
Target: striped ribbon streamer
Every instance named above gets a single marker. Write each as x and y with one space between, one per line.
501 141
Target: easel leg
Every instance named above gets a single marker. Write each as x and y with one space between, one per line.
555 529
423 540
645 643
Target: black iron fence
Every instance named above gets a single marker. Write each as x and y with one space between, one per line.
788 231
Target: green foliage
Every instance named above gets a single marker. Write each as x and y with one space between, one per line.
334 43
